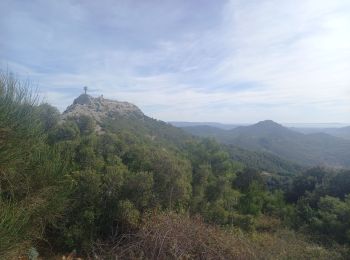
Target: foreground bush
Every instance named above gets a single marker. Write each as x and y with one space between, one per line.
32 181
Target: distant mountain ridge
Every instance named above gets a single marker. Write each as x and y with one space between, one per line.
111 116
265 136
210 124
269 136
335 129
342 132
289 125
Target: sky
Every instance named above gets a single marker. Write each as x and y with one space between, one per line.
238 61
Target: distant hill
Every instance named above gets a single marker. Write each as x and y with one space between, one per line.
206 131
264 161
342 132
334 129
210 124
111 116
268 136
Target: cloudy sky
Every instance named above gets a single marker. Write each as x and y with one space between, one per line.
236 61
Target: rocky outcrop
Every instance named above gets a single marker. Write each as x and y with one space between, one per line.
100 108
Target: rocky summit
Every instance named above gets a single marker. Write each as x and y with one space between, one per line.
100 108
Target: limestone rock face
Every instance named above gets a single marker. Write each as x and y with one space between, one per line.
100 108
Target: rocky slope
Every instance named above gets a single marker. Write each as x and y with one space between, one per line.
100 108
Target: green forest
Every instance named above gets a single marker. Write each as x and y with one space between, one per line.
143 189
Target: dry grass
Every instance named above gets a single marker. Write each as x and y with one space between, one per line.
173 236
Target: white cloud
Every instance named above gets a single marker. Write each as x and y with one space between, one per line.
247 61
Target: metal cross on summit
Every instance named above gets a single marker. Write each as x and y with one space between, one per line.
85 89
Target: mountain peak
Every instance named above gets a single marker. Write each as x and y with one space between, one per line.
100 108
268 123
83 99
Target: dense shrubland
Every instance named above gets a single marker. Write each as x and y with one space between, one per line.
64 187
33 180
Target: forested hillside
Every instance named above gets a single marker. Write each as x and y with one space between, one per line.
342 132
267 136
104 180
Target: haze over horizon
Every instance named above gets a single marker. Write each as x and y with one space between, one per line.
212 61
287 124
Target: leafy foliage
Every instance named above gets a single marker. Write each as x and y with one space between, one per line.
76 182
32 174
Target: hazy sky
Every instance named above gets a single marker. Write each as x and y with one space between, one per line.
236 61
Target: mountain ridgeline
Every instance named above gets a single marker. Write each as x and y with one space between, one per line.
342 132
116 117
268 136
